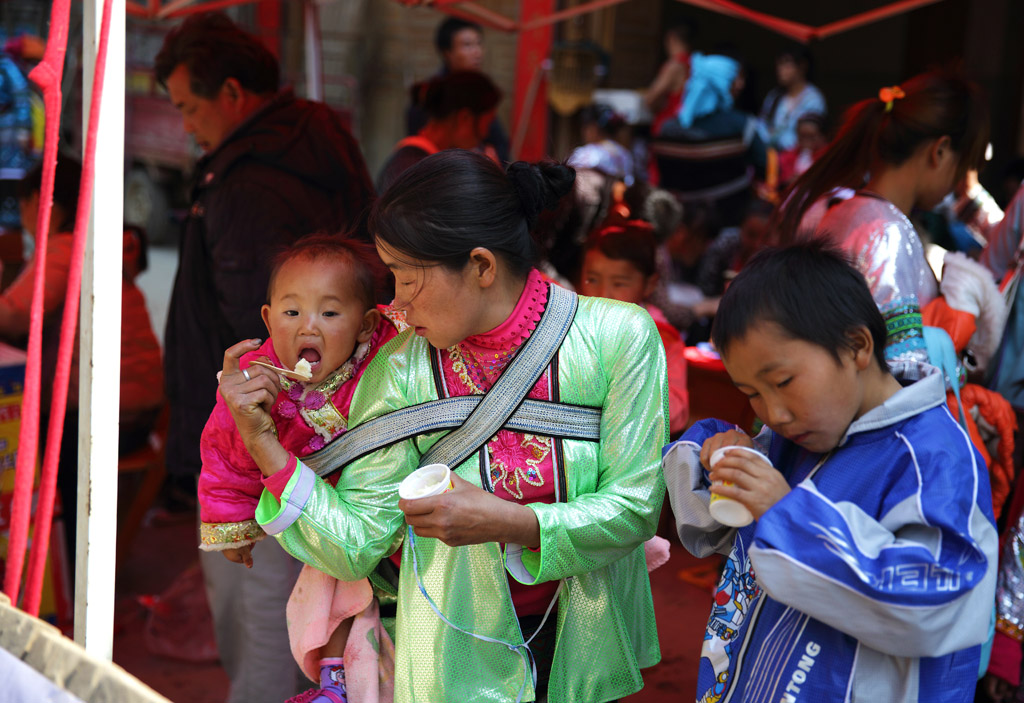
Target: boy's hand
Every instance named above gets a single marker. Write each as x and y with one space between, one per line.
730 438
756 483
241 555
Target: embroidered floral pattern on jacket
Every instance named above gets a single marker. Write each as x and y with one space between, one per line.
521 465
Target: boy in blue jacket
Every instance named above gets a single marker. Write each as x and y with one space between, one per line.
868 573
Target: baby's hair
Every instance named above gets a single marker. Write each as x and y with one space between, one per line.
809 290
367 273
633 241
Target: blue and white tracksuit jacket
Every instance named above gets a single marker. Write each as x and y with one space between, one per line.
872 581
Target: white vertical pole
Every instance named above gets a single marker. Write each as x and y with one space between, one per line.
313 51
100 329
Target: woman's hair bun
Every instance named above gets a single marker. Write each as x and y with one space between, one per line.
540 186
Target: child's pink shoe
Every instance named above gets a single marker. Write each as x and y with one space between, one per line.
332 682
319 695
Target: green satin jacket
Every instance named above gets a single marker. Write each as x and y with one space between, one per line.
611 494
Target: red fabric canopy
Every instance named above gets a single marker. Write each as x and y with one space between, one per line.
795 30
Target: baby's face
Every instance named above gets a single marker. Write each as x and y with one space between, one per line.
313 315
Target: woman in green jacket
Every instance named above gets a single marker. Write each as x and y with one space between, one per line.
527 578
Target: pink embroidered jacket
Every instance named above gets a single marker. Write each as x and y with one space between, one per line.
307 418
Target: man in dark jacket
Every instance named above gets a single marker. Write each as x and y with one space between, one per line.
275 168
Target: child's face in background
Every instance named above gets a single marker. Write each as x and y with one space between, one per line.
809 137
687 245
788 71
314 315
797 388
617 279
754 234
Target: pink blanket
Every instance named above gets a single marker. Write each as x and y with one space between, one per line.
318 604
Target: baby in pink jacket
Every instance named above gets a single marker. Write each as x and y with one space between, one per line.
321 308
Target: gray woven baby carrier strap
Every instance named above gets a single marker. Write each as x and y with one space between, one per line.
549 419
512 387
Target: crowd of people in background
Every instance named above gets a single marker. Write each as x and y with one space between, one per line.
858 284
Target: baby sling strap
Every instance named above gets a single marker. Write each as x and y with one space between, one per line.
492 412
510 390
475 419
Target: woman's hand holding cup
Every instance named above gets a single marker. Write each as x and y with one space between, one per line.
467 514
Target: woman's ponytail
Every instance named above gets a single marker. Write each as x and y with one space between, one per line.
889 129
844 163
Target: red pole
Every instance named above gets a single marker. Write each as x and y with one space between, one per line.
268 17
47 75
48 480
529 105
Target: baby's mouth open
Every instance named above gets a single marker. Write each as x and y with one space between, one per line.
310 355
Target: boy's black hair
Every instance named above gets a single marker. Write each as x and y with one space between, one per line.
809 290
447 30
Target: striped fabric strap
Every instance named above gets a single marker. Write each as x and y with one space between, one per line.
508 392
475 419
538 417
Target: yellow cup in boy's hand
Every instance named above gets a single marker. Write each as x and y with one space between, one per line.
726 510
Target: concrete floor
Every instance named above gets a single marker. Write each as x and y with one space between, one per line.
165 548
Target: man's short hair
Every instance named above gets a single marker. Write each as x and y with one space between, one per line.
213 49
809 290
447 30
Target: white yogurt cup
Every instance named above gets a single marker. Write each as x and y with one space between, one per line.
726 510
429 480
